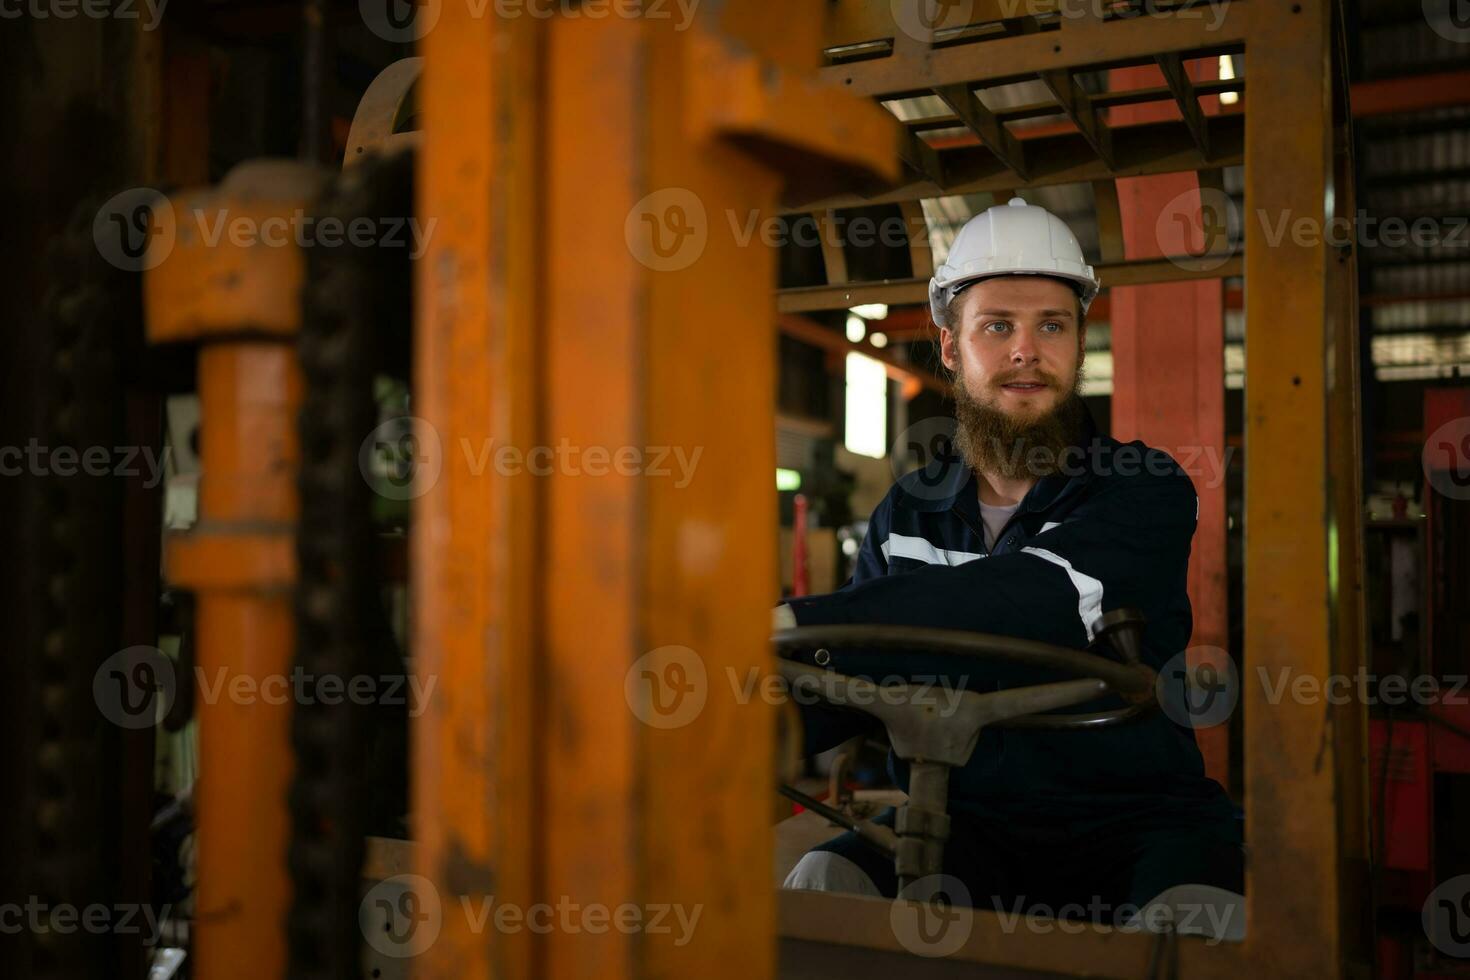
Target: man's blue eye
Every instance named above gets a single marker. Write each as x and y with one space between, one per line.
1052 325
997 325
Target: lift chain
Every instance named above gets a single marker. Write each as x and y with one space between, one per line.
356 304
92 311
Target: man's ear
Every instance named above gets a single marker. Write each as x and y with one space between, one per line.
948 353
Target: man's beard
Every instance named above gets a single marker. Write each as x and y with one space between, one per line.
994 441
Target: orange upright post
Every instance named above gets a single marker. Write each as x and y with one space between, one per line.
593 563
239 303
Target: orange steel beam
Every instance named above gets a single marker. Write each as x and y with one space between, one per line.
1414 93
1293 518
237 301
473 553
1380 97
585 290
800 328
1167 343
913 322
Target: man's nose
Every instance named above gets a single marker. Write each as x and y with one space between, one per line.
1023 349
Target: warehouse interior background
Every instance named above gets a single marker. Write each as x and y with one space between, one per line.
495 608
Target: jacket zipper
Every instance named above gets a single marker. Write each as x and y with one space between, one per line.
966 521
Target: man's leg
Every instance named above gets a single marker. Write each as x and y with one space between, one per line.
846 864
1186 874
977 857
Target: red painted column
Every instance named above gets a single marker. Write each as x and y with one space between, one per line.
1168 345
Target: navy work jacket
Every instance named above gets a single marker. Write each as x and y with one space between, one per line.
1111 530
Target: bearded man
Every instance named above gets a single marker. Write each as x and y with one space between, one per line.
1034 528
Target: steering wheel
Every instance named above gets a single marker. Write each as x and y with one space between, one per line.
1113 659
932 743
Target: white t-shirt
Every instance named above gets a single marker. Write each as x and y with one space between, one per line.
994 517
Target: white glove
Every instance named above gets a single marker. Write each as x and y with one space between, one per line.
782 618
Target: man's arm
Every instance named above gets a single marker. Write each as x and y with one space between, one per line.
1126 546
824 726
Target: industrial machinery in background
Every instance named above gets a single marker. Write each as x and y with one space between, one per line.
1419 766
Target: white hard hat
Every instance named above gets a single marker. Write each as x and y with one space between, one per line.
1007 240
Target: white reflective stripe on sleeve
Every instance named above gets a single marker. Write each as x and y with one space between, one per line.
1048 526
918 549
1089 589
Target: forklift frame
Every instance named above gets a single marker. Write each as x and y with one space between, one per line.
536 597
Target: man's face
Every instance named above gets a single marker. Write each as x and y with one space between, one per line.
1017 345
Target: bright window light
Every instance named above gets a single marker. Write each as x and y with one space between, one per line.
1227 71
871 311
788 479
857 329
879 340
867 407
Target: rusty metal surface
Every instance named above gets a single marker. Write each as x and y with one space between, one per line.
472 545
1080 42
535 596
238 558
1136 272
224 275
1054 158
249 396
1293 880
